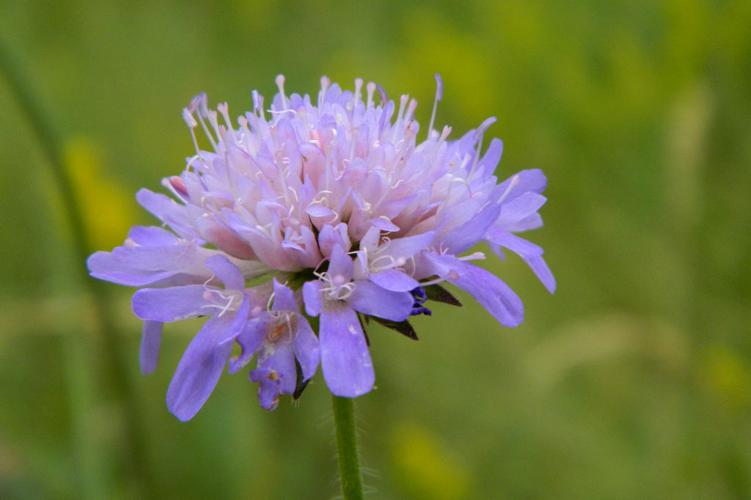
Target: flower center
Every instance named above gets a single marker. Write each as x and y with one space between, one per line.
280 331
336 287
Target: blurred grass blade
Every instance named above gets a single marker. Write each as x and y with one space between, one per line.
133 439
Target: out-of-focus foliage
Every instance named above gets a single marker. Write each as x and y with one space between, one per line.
633 381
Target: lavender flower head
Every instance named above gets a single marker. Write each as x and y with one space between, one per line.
327 212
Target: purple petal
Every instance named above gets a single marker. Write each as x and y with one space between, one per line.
250 340
369 298
133 265
105 266
238 320
383 223
331 237
319 211
543 272
276 375
152 236
166 210
311 293
284 298
534 221
492 293
226 271
151 339
370 240
340 265
527 180
529 252
169 304
200 368
470 233
224 238
306 348
513 243
485 125
345 359
492 156
158 258
282 362
269 388
394 280
404 248
520 208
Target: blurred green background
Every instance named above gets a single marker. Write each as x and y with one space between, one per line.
632 381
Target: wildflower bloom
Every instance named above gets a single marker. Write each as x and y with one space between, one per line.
331 211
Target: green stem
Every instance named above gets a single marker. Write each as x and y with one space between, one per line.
346 446
133 444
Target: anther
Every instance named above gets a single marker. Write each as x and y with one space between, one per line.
178 184
325 83
188 118
280 85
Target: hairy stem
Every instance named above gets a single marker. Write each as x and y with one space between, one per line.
346 445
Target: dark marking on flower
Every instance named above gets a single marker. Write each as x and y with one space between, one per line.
301 384
440 294
403 327
419 296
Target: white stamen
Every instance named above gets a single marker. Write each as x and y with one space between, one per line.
402 103
206 130
377 266
473 256
358 88
336 287
438 97
223 308
511 185
277 112
224 110
371 89
432 282
280 84
480 134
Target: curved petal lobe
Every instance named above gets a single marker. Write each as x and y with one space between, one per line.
488 290
394 280
151 340
199 369
306 348
226 271
345 360
311 293
169 304
371 299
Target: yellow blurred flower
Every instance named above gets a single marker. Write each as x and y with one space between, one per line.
425 468
107 207
728 377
